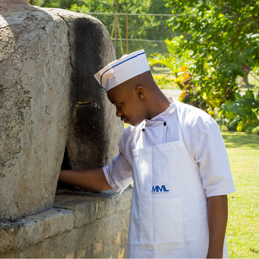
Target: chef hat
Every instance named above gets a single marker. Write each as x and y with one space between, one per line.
122 70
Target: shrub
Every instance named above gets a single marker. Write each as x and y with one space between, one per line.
255 130
241 113
249 128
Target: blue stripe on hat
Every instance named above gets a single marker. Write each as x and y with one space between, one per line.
117 65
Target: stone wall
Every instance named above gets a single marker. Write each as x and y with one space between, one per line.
79 226
49 100
51 103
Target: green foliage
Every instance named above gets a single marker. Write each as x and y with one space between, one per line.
241 113
36 2
64 4
249 128
223 39
255 130
164 81
139 27
79 9
172 59
160 29
180 64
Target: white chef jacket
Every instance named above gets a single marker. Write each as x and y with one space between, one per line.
202 139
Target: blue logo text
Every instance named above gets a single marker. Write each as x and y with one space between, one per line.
157 189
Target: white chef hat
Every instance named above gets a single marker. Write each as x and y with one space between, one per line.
122 70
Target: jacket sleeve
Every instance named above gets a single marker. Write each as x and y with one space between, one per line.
119 172
206 147
211 156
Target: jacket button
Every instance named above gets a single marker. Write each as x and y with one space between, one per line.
143 129
164 123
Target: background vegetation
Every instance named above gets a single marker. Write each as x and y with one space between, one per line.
144 31
218 44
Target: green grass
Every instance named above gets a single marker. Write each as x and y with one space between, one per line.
243 222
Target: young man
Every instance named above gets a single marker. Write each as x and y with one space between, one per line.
177 158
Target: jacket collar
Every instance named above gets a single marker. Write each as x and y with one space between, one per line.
162 117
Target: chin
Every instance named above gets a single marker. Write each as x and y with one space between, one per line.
134 123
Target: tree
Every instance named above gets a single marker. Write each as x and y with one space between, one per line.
160 29
64 4
146 27
223 39
138 25
180 64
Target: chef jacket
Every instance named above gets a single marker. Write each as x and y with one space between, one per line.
202 139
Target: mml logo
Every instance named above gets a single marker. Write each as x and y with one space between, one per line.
157 189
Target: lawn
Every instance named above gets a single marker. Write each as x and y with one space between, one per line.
243 222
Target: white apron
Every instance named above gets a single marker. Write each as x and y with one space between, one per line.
169 207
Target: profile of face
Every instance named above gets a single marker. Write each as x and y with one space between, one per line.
129 102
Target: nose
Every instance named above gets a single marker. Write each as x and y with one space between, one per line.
118 112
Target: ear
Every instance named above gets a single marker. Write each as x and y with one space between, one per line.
140 90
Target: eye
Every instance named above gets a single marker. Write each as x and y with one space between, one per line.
118 105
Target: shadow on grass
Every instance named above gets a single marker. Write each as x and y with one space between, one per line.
236 140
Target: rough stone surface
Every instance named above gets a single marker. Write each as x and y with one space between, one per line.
35 229
55 233
93 128
14 1
48 95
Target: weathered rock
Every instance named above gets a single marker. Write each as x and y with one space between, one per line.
47 61
14 1
94 131
62 232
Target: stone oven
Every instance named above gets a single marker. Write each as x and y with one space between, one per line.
50 102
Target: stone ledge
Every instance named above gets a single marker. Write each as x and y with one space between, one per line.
34 229
70 211
89 207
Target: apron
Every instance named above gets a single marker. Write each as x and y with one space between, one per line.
168 217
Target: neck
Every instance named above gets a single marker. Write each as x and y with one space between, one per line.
158 103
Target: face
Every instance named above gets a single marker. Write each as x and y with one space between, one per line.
129 103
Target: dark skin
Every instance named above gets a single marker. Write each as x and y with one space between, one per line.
135 100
